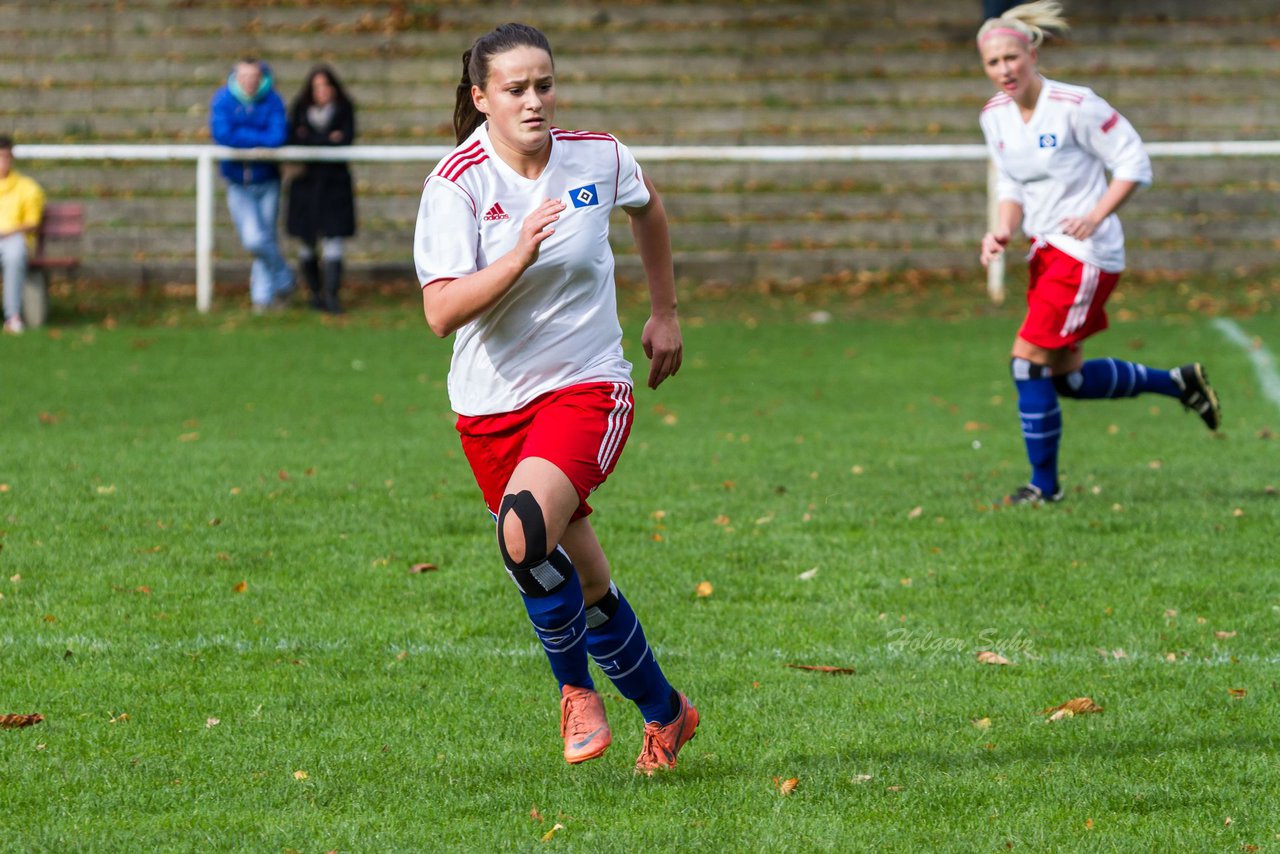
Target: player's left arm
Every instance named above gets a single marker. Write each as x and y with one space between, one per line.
661 339
1107 135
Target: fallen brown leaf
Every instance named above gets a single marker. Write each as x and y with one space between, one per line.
550 834
19 721
704 589
1224 635
300 775
419 568
916 513
986 656
241 587
1071 708
821 668
982 723
1238 693
534 814
787 786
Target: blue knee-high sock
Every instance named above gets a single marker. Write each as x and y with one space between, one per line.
1111 378
1041 422
616 641
560 620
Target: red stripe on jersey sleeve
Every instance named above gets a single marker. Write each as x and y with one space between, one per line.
455 170
573 135
462 154
1111 122
997 101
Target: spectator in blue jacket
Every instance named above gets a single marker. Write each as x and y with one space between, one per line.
248 113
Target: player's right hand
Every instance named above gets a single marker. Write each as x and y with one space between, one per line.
993 245
535 229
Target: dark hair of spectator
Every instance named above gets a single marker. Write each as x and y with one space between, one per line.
6 142
475 69
305 100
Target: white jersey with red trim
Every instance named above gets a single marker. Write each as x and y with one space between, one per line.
558 325
1055 165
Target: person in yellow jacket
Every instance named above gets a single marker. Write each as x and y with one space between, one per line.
21 207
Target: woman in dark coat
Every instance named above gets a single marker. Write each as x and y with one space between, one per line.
321 201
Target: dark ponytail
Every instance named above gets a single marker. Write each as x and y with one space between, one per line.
475 69
466 118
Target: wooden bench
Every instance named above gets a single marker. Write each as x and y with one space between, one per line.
62 221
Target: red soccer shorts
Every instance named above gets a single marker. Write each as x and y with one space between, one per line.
580 429
1066 299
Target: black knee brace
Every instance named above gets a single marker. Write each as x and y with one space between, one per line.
1023 369
1069 385
539 572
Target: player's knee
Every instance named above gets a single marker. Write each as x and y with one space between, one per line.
1069 385
522 531
1025 369
522 538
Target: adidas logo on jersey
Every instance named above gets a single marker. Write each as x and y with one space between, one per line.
495 213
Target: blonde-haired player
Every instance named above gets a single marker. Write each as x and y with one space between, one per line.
1052 144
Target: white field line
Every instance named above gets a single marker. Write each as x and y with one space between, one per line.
867 654
1263 361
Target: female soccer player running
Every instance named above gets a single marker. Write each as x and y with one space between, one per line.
512 251
1051 143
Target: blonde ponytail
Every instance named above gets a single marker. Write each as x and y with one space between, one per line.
1028 22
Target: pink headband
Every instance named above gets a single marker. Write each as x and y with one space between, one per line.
1005 31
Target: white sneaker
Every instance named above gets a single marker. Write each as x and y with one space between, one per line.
14 326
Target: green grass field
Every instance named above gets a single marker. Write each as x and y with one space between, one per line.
208 524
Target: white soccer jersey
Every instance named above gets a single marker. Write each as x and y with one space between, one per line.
1053 165
558 325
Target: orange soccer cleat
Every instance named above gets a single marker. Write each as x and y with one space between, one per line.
663 742
583 725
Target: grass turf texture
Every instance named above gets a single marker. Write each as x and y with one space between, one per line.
152 464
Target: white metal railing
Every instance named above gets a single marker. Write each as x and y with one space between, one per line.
205 157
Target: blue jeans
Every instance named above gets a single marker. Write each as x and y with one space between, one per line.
254 208
13 258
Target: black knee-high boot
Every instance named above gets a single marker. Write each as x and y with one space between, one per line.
310 269
332 282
